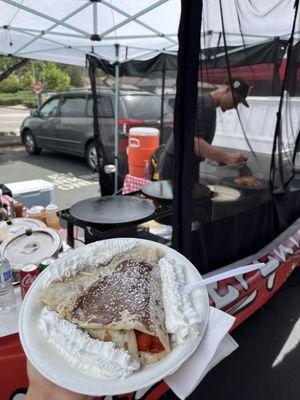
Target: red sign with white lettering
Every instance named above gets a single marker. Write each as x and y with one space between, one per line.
37 87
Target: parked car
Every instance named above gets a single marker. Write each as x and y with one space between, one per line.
65 124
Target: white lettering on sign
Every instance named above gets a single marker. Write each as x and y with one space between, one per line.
271 281
69 181
294 241
223 297
242 281
248 300
223 300
282 251
271 265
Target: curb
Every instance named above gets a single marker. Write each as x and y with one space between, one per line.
13 141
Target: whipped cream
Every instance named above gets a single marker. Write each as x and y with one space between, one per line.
95 357
94 254
181 319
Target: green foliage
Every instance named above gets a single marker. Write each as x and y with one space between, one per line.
10 84
75 73
26 97
30 103
54 76
7 62
55 79
26 80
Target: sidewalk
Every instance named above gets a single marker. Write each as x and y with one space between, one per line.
11 138
11 119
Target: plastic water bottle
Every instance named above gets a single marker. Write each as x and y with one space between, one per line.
7 294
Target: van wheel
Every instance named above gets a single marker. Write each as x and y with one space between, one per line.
30 144
91 156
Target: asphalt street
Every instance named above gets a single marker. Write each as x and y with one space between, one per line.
72 179
11 119
267 363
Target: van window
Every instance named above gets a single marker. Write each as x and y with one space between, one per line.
105 109
73 107
143 107
49 109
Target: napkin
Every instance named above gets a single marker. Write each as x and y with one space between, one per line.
215 345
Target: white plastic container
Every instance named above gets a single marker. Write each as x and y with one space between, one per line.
37 191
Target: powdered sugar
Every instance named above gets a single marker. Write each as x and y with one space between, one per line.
131 292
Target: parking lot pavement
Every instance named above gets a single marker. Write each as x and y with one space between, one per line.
72 179
11 119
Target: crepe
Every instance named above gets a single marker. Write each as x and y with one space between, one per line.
248 181
116 301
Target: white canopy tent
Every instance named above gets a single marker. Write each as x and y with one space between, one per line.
66 31
63 30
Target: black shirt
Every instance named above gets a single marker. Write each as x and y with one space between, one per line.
205 127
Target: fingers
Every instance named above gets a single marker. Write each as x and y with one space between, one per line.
235 158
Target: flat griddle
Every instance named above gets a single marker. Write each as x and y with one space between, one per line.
231 182
162 191
112 210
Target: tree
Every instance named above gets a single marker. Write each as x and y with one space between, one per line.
26 80
56 79
11 68
75 73
10 84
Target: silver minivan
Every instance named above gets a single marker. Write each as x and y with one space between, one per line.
65 123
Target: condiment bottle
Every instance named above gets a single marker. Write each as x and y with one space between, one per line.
43 213
35 212
3 210
18 209
52 217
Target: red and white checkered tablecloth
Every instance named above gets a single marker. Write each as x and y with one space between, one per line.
6 199
133 183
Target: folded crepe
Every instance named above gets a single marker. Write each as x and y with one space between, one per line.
119 302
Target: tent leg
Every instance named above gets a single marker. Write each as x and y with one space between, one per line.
162 102
117 74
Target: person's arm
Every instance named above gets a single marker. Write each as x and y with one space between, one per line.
42 389
206 150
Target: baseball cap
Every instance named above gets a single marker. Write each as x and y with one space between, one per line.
241 88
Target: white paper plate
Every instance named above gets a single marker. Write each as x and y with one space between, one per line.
55 368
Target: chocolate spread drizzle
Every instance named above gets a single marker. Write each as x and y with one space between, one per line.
124 294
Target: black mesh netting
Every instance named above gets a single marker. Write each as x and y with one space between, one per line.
232 168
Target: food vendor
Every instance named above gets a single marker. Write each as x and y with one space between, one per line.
205 126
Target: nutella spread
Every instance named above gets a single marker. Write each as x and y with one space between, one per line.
124 293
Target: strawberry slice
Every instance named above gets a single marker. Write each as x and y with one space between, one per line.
148 343
144 341
156 347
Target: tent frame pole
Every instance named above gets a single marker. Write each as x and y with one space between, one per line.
135 19
163 83
117 75
59 22
95 17
47 17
